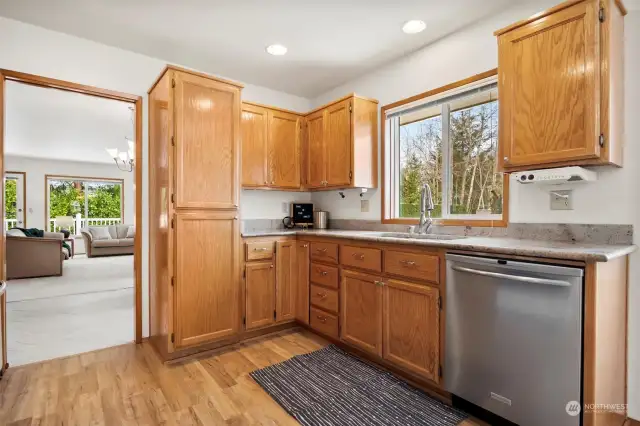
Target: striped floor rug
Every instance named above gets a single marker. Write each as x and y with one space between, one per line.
330 387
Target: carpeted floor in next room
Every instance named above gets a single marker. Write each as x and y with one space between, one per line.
89 307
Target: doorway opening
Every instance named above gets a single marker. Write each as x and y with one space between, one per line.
72 243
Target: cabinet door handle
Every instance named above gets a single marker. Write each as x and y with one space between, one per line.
321 318
379 283
266 183
271 266
322 295
305 245
408 263
321 250
358 256
273 182
321 272
260 249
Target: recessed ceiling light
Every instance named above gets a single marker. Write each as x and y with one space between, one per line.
276 49
414 27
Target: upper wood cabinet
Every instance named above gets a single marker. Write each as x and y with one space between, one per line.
207 132
361 311
342 144
334 146
271 142
560 79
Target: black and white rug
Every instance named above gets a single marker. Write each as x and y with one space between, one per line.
330 387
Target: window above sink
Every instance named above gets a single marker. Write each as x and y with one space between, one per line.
446 138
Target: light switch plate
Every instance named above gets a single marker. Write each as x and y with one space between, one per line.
561 199
285 208
364 206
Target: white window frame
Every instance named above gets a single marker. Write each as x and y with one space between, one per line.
391 148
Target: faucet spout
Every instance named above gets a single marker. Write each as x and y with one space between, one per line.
426 206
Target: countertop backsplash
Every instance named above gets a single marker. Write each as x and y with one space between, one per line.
579 233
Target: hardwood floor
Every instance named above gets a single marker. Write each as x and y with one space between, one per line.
129 385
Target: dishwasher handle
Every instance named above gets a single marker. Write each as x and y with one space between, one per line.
519 278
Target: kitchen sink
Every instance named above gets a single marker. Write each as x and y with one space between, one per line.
418 236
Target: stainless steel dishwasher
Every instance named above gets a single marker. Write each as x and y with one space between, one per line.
513 342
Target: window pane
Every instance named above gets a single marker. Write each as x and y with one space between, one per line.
420 163
10 197
66 198
476 186
103 200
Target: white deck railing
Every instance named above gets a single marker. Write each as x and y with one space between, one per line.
82 222
10 223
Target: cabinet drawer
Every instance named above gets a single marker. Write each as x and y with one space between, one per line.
324 298
324 252
324 275
257 250
324 323
361 257
424 267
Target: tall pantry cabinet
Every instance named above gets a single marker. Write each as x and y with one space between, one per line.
194 188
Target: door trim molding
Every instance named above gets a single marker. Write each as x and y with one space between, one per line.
136 101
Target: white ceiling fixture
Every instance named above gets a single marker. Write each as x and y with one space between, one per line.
332 42
414 27
276 49
124 159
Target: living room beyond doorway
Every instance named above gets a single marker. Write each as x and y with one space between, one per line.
69 224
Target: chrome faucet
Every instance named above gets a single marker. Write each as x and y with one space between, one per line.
426 205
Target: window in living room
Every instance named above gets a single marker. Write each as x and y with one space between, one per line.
75 203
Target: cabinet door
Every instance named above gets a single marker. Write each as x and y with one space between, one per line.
412 327
302 284
254 145
207 284
286 274
260 294
338 144
284 150
548 88
207 142
315 150
361 311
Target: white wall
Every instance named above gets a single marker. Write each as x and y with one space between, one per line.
614 199
35 50
37 168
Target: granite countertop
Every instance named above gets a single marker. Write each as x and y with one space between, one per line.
513 246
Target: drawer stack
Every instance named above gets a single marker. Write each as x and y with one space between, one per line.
324 288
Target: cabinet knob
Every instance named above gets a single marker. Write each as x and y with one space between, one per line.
271 266
323 273
322 295
266 183
358 256
305 245
273 182
506 159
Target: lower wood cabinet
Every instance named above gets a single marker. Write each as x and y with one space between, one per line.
361 311
206 290
260 294
302 285
411 324
286 274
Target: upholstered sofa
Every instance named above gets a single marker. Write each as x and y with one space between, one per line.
30 257
108 240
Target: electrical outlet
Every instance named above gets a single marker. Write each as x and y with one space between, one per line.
561 200
364 206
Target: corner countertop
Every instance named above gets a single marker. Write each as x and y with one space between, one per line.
534 248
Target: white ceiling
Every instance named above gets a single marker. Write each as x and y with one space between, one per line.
59 125
329 41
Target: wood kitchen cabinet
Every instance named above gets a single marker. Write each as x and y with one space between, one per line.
361 311
194 187
560 77
260 294
286 273
302 284
271 144
411 327
206 276
342 144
